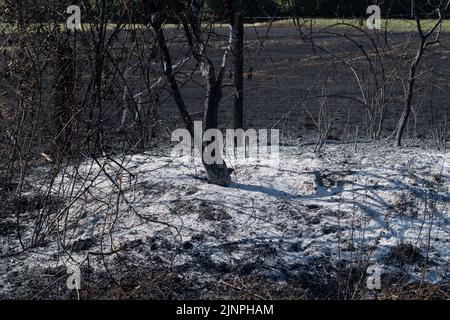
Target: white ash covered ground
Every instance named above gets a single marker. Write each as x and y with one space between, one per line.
308 229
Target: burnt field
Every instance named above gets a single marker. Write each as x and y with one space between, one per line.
338 82
87 183
300 86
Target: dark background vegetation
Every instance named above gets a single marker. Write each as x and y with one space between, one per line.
38 9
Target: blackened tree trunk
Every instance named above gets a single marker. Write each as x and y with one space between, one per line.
409 95
238 51
169 75
441 10
63 88
218 173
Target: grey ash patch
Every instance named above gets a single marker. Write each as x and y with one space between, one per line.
328 229
30 203
157 243
406 206
25 213
190 190
313 207
230 248
7 186
183 207
211 213
405 254
223 241
8 228
153 189
205 211
83 244
313 219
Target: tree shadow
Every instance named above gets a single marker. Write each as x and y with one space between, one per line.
368 191
270 191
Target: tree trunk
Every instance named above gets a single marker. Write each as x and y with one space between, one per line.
408 102
168 72
63 87
238 52
217 173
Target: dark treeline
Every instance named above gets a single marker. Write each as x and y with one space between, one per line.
321 8
38 10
